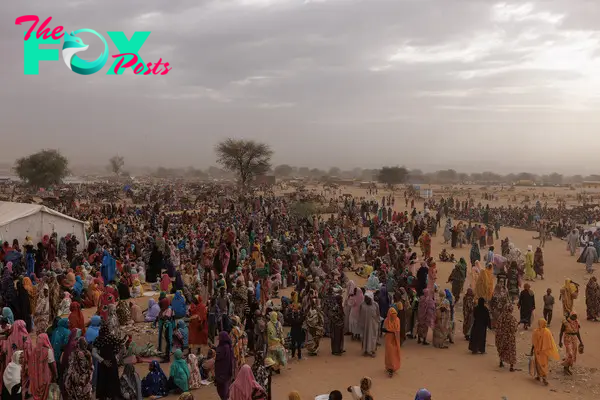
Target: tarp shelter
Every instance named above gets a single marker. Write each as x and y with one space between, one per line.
18 220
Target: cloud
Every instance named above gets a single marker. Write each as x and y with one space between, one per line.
276 105
423 75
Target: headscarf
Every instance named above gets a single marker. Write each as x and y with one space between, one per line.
78 377
423 394
129 382
76 319
9 294
392 322
244 385
12 373
28 286
155 383
178 305
179 371
60 337
384 301
199 309
426 303
40 375
107 338
449 297
78 286
8 314
136 312
153 310
294 395
373 281
183 329
165 283
112 320
94 329
17 339
178 281
71 344
42 308
543 341
224 360
484 286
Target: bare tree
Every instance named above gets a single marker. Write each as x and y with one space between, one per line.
246 158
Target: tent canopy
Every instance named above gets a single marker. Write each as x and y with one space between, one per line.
18 220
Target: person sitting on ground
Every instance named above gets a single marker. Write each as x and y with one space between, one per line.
444 256
362 392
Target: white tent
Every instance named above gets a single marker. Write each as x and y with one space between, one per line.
18 220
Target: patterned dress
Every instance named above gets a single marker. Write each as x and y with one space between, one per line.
506 341
468 306
237 342
592 299
194 380
570 341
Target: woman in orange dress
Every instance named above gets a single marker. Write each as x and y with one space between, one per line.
198 332
392 341
543 348
92 295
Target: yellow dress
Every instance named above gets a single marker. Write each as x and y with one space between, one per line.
544 348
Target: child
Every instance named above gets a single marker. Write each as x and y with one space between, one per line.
444 257
548 305
362 392
207 366
180 336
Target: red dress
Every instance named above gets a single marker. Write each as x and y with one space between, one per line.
198 331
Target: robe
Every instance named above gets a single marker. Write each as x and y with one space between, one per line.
369 322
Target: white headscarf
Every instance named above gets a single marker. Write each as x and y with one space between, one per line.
12 373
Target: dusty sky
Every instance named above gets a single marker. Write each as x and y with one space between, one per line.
469 84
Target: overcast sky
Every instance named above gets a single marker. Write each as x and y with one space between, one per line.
470 84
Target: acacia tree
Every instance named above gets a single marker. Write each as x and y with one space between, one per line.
392 175
116 164
283 170
42 169
246 158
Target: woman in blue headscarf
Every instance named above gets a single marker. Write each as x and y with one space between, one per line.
423 394
94 329
178 305
8 314
153 310
181 336
179 374
373 282
155 383
78 287
60 337
450 299
384 301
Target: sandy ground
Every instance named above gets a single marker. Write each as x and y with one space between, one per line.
454 373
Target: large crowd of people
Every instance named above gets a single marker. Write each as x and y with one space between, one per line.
230 271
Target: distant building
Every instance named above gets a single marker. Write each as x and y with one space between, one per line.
591 184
